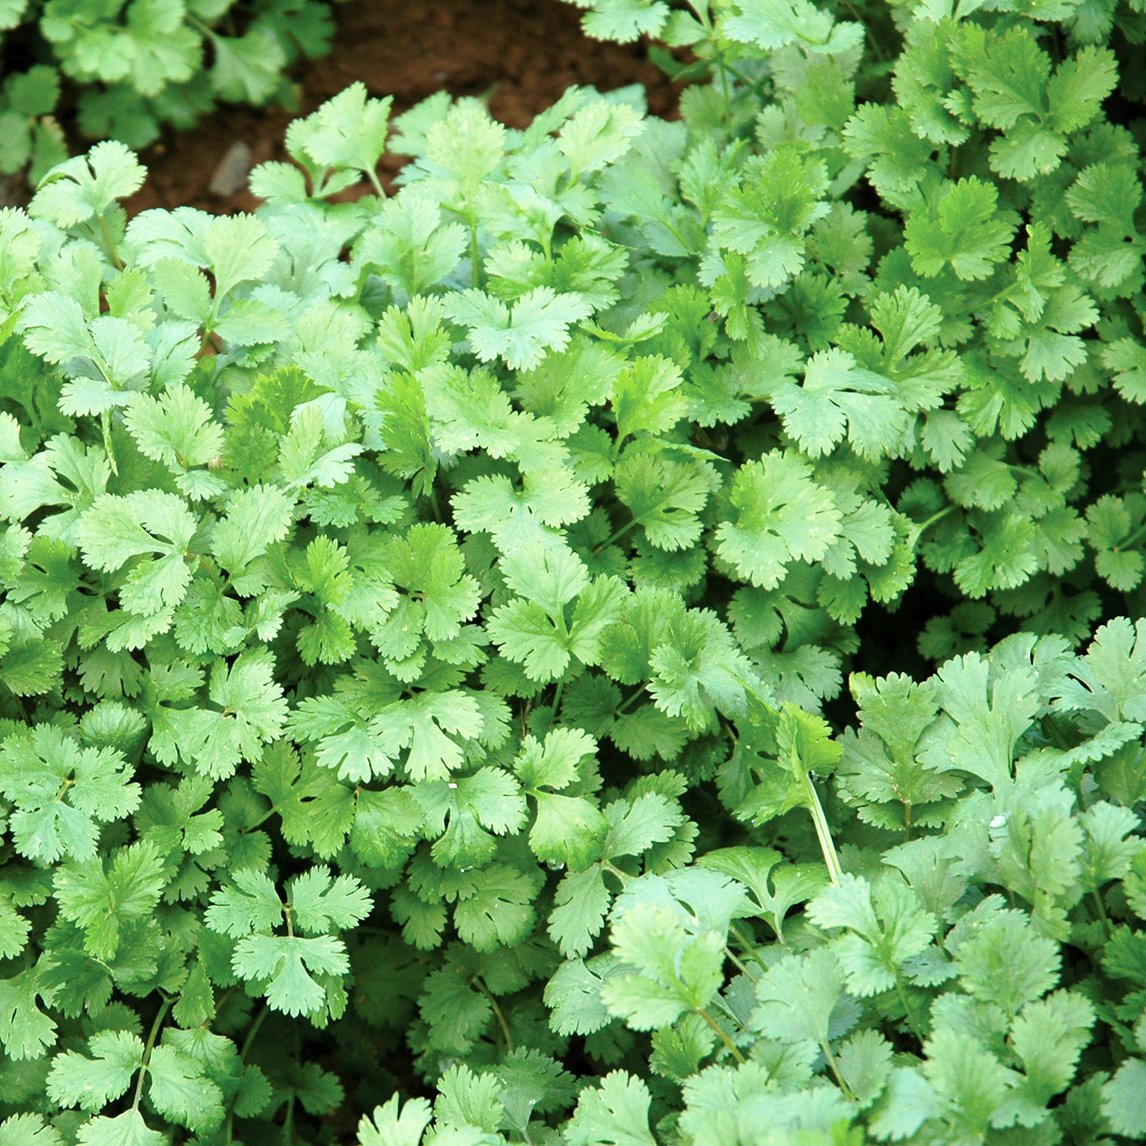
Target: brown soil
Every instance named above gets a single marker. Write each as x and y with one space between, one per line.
521 54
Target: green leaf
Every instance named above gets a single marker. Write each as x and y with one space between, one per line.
497 911
665 970
797 997
963 228
779 515
1124 1099
766 218
283 969
1003 961
92 1082
839 397
581 903
84 187
623 20
25 1030
28 1130
520 334
126 1129
180 1091
348 131
395 1123
615 1113
104 898
772 24
62 793
248 68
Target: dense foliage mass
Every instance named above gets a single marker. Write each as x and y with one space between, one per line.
628 640
123 68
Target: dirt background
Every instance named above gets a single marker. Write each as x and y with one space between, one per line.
523 54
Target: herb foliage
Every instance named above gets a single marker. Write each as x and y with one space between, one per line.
628 640
126 68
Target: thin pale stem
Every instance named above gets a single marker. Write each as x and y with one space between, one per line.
823 832
149 1046
722 1035
834 1067
739 964
908 1014
498 1013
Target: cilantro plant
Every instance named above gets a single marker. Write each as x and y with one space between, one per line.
635 638
125 68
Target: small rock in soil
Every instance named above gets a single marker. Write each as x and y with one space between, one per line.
231 174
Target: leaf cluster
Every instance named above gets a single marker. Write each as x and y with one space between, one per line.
127 68
634 638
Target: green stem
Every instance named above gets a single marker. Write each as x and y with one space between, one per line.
149 1046
475 259
109 243
108 446
720 1034
252 1031
923 526
498 1013
858 16
823 832
617 534
1103 917
739 964
629 701
834 1067
908 1014
749 947
1136 536
378 190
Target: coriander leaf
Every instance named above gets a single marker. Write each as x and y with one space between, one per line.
28 1130
411 248
579 908
86 186
251 712
615 1113
177 429
320 903
838 395
648 396
797 997
520 334
573 995
308 456
497 911
62 793
395 1123
347 131
773 24
103 898
766 217
623 20
126 1129
25 1030
665 969
1003 961
283 969
779 515
181 1091
961 227
91 1083
1124 1098
884 934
